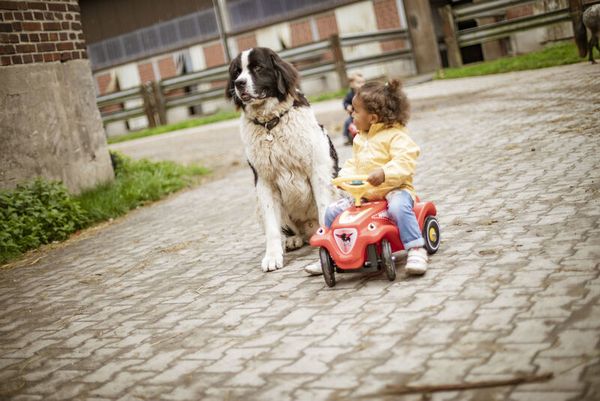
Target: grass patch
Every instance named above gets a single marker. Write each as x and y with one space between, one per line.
221 116
553 55
328 96
41 212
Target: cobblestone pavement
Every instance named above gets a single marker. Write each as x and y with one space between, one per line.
170 303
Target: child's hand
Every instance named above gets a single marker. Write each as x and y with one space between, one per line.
377 177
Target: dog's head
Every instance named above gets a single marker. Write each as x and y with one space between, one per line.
259 73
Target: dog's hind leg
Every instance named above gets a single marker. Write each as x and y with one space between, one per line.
293 240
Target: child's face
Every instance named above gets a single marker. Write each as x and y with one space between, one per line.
362 118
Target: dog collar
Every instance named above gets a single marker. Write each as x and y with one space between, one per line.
272 123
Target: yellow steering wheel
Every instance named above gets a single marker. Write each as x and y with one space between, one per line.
355 185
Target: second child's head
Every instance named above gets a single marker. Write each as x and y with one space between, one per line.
376 102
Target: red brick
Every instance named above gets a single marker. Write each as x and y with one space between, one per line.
76 26
73 7
27 58
146 72
44 37
326 25
69 17
17 59
18 16
386 14
57 7
166 67
64 25
52 26
23 37
53 37
32 26
8 5
73 36
34 37
28 48
246 42
38 58
5 60
37 5
28 15
301 33
66 56
65 46
46 47
519 11
7 49
214 55
9 38
6 28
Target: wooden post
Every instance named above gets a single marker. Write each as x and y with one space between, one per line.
159 101
579 31
422 36
338 59
149 104
449 29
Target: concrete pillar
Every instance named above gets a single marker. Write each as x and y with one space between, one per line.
422 33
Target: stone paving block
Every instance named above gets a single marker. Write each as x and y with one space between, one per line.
518 257
314 360
119 384
574 343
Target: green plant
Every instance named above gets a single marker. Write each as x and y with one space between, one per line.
40 212
137 182
552 55
36 213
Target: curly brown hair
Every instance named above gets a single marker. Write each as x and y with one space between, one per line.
388 101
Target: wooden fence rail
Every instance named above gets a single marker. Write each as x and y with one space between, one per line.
155 98
455 38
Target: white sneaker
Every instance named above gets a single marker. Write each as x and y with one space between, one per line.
416 262
314 269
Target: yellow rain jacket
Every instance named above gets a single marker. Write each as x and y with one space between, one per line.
384 147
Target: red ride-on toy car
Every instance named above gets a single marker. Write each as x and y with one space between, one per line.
363 237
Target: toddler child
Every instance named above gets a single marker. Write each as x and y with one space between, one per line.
383 150
355 81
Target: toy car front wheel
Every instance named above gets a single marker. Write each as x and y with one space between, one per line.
431 234
387 261
327 266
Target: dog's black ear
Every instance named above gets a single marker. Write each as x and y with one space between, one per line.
234 71
287 77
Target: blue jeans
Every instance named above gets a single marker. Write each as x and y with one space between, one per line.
400 209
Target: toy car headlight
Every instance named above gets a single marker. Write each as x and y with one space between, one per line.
371 227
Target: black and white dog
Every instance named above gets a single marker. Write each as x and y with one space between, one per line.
290 154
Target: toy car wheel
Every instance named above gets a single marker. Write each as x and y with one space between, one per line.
387 261
431 234
327 266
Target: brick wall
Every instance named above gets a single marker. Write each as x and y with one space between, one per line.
40 32
386 14
246 42
326 25
301 33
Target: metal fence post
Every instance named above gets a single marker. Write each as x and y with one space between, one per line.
449 29
338 59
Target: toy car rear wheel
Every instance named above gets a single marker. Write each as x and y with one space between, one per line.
431 234
387 260
327 266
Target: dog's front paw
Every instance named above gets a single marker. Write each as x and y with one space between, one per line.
293 243
272 261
